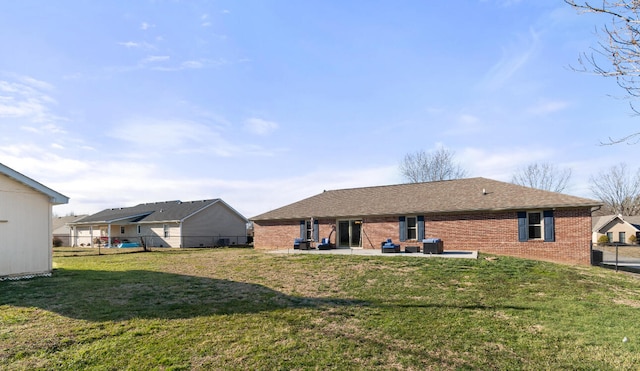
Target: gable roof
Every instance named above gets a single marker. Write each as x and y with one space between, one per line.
154 212
59 224
448 196
599 222
55 197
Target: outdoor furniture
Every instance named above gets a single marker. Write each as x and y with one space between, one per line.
324 244
412 249
296 243
305 245
389 247
432 246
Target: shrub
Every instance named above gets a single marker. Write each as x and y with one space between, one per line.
603 240
57 242
633 239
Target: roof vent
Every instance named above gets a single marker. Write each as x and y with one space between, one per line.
484 191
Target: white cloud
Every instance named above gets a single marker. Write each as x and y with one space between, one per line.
155 58
547 107
191 65
27 99
148 183
182 136
260 127
465 124
145 26
136 45
513 59
205 20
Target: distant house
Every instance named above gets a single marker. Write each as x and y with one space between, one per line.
617 228
203 223
25 225
61 229
467 214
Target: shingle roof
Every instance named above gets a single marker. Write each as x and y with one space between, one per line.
447 196
59 224
149 212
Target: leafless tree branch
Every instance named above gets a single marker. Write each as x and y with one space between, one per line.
618 190
422 166
619 46
543 176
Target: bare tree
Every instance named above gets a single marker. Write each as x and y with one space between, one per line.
543 176
422 166
619 47
618 190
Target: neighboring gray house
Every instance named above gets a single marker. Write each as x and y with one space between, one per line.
61 229
203 223
25 225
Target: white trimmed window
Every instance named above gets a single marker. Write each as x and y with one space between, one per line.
121 229
412 228
535 224
165 227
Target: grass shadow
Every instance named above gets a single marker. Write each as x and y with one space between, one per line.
116 296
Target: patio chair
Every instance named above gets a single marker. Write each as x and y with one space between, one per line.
324 244
296 243
389 247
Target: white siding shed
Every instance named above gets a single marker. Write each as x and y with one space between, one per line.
25 225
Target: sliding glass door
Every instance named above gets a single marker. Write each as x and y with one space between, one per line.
349 233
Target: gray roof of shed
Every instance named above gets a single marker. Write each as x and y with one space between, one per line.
448 196
154 212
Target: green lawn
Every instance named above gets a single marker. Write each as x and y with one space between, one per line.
241 309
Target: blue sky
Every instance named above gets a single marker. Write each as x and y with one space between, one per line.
262 103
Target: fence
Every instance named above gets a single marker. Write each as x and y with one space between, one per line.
617 256
159 241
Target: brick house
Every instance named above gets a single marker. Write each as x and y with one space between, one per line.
467 214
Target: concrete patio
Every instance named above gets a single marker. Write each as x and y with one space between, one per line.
371 252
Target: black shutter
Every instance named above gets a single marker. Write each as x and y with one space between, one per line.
522 226
403 228
420 228
316 230
549 226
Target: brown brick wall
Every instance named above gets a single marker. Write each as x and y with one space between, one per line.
495 233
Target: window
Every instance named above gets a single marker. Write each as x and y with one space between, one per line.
610 236
622 238
166 230
139 229
535 225
308 230
122 230
412 228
